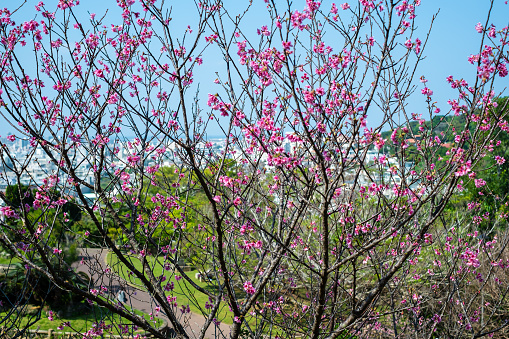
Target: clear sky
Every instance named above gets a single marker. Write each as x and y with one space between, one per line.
453 39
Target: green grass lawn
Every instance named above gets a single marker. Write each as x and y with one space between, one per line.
7 261
185 292
80 320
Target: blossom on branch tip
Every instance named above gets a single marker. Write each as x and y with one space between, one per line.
478 27
248 287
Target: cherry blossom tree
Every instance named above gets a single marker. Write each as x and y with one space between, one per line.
304 220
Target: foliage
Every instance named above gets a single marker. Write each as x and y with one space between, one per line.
21 284
15 193
487 188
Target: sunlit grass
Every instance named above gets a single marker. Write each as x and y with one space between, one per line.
186 294
8 261
81 319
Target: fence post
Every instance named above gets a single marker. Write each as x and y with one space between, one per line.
50 334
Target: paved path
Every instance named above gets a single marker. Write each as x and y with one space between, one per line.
93 263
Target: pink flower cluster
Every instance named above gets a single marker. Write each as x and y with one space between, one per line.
248 287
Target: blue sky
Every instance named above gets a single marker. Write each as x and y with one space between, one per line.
452 40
